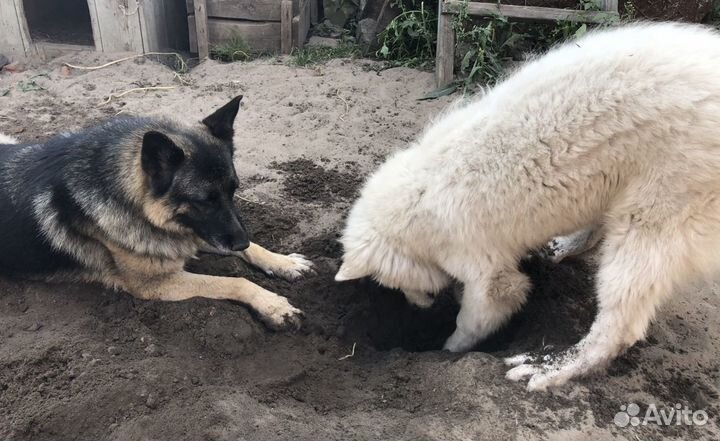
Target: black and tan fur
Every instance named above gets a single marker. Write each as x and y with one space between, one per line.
126 203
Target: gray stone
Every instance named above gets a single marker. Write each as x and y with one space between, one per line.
366 31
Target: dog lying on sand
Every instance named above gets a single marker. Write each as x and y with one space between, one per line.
126 203
616 134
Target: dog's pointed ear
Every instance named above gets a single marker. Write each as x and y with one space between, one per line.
160 159
221 122
348 271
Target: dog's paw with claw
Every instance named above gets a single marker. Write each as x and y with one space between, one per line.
541 372
290 267
555 251
277 312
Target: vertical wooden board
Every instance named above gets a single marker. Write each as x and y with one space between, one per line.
609 5
131 11
12 41
314 13
201 28
445 56
148 28
192 37
24 29
152 19
303 23
286 18
119 32
97 33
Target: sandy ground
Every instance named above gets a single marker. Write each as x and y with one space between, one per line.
85 363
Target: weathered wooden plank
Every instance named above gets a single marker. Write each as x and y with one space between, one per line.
131 12
13 40
314 14
256 10
119 26
445 56
303 24
286 18
260 37
24 28
201 29
154 31
532 13
609 5
97 38
192 38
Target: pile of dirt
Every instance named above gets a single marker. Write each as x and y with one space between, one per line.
307 181
559 310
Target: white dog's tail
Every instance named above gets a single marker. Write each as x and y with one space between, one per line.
4 139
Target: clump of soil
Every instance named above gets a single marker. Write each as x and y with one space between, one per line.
268 224
310 182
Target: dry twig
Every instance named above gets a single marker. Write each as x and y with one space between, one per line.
347 105
102 66
350 355
137 89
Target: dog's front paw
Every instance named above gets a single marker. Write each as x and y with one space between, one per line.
290 267
541 373
459 341
277 312
554 251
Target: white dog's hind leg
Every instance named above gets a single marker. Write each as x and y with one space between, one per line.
637 272
486 305
573 244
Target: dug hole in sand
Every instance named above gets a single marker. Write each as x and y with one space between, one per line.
81 362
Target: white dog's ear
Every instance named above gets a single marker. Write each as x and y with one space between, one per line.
350 272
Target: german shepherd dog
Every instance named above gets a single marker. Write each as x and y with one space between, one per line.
126 203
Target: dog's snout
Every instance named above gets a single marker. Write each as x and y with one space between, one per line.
240 245
240 239
234 242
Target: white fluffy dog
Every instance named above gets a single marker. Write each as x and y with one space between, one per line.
618 131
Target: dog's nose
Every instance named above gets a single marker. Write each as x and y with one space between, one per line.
240 245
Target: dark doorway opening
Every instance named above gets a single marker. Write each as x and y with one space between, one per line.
59 21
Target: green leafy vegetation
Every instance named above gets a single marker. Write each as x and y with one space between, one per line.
31 85
231 50
483 46
311 55
409 40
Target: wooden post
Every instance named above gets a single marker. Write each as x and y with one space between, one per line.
314 12
201 29
609 5
445 57
286 18
303 23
